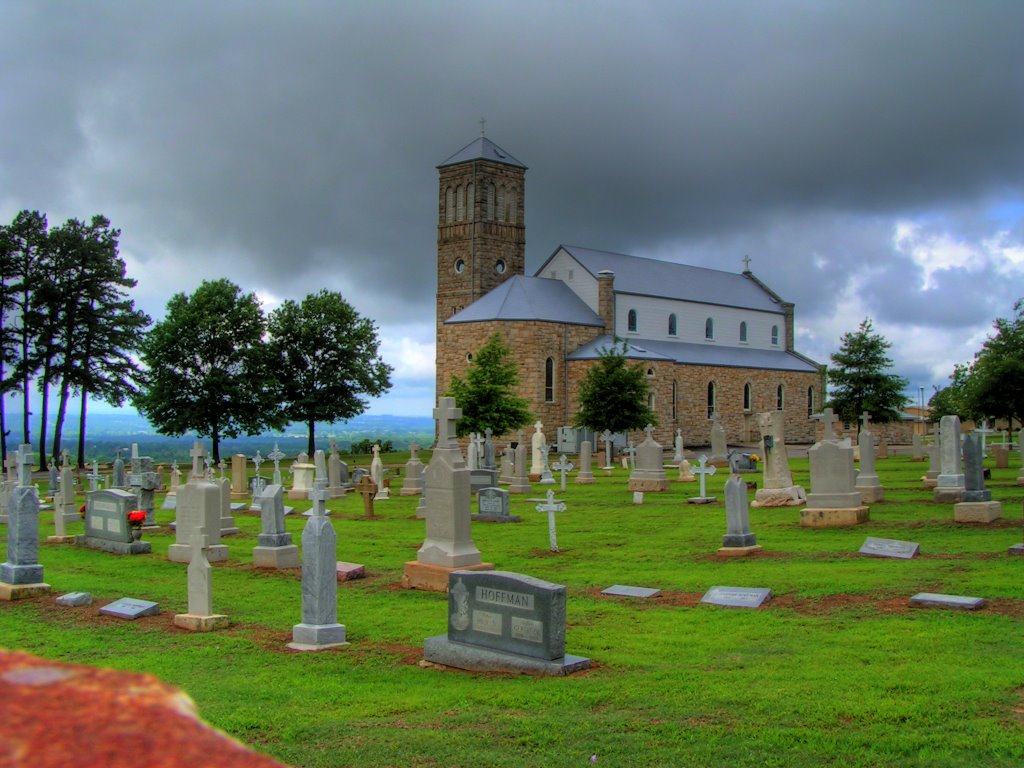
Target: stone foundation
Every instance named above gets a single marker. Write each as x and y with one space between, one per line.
792 496
738 551
871 494
22 591
946 495
434 578
182 553
276 557
649 484
833 518
977 511
195 623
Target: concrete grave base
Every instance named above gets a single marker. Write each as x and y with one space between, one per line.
229 530
871 494
182 553
22 591
1016 549
495 518
276 557
317 637
702 500
928 483
434 578
350 571
61 539
946 495
116 547
812 517
1020 481
533 478
195 623
298 494
977 511
738 551
441 650
719 461
649 484
584 479
793 496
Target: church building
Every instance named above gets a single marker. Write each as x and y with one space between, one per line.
708 340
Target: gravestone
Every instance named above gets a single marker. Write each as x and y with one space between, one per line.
685 472
336 483
606 437
199 506
493 506
200 616
737 597
227 520
638 498
74 599
834 499
563 466
954 602
275 456
106 523
934 453
367 489
828 421
258 483
473 452
448 544
868 484
520 481
1001 455
1020 451
319 469
649 475
777 487
130 609
488 450
319 628
719 448
738 541
482 478
620 590
377 473
303 475
975 505
53 480
550 505
586 474
902 550
703 470
883 448
274 547
504 622
508 465
741 462
916 448
21 576
677 457
950 482
413 485
118 479
539 459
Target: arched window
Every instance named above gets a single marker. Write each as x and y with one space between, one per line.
631 321
460 203
709 328
746 397
675 396
501 203
672 330
810 402
469 201
549 380
449 205
490 202
650 400
743 331
510 202
711 398
779 398
775 335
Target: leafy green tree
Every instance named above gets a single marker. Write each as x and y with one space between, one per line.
208 368
956 398
487 396
613 394
859 380
329 360
997 382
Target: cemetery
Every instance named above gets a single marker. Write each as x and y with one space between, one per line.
641 638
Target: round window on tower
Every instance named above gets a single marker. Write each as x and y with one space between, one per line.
460 266
499 266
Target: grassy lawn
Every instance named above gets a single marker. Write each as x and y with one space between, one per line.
836 670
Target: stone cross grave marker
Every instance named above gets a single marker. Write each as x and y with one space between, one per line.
275 456
563 466
198 454
984 430
828 420
368 490
94 477
447 416
606 436
702 470
551 506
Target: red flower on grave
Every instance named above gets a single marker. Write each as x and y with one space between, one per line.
81 511
136 518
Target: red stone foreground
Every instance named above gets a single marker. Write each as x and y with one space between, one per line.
54 714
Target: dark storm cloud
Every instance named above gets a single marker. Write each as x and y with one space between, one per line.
292 146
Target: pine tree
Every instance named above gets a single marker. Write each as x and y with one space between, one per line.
487 395
859 381
613 394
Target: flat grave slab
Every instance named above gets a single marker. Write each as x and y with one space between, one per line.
904 550
130 608
620 590
1016 549
74 599
737 597
350 571
239 506
956 602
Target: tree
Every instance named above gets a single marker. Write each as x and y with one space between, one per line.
328 358
859 381
613 394
956 398
487 395
997 381
208 368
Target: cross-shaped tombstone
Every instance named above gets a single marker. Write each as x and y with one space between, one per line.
606 436
446 415
198 454
12 466
208 461
65 459
563 466
865 419
984 430
319 498
828 420
629 456
256 461
275 456
703 470
95 477
550 506
367 489
220 466
24 464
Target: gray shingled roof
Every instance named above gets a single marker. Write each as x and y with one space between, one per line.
529 298
700 354
482 149
669 280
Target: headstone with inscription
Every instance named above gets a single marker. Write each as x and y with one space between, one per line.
648 474
902 550
106 523
777 486
739 540
493 506
737 597
586 474
520 481
834 499
504 622
976 504
21 575
868 484
129 608
950 482
274 547
413 484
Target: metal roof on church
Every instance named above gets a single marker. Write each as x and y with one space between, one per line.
482 149
671 280
692 353
529 298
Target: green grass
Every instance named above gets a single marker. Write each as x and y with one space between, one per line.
836 670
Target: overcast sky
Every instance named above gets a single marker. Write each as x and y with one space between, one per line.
868 156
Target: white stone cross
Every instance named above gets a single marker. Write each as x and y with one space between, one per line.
563 466
550 506
95 477
413 448
538 426
318 496
275 456
256 461
198 453
24 464
208 461
865 419
12 466
828 419
984 430
334 445
220 465
629 452
65 456
702 469
649 429
607 437
446 414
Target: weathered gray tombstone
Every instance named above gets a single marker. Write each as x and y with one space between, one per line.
916 448
622 590
606 437
953 602
703 470
488 450
777 487
130 609
508 465
834 499
504 622
737 597
473 452
319 628
520 481
950 483
482 478
719 447
320 479
563 466
586 474
199 506
975 505
868 484
493 506
1001 454
448 544
413 484
677 457
274 547
902 550
649 473
377 473
739 540
21 576
741 462
934 451
53 480
95 477
227 520
118 479
335 486
106 523
275 456
200 616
